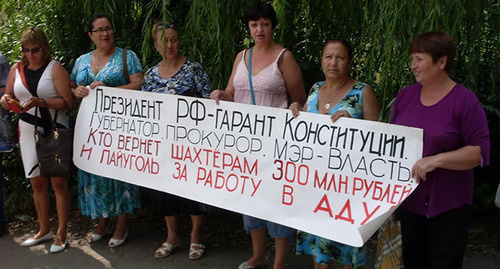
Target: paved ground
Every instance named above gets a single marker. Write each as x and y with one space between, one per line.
227 246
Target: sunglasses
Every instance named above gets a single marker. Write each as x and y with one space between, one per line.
32 50
166 26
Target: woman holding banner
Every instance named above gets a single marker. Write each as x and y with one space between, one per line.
265 75
339 96
434 218
42 85
177 74
100 197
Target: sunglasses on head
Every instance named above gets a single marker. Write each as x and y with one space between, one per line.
32 50
166 26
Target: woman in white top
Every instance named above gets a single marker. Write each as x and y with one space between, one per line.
46 84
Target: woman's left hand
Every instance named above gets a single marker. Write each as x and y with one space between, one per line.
423 166
295 107
32 102
340 114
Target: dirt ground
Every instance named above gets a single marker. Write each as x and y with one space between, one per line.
227 245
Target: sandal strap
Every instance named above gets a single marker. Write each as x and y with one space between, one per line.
166 247
200 246
196 251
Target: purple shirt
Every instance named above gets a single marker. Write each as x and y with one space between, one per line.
455 121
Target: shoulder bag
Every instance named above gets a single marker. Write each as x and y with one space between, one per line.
125 67
54 148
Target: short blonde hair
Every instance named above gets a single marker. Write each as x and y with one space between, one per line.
35 35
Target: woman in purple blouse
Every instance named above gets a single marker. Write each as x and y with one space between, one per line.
434 219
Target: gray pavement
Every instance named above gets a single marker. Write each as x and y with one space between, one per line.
227 246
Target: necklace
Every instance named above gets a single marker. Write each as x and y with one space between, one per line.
327 105
101 58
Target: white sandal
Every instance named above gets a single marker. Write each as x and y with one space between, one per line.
114 242
166 249
97 237
196 251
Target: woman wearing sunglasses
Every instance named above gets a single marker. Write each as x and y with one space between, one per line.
43 86
99 197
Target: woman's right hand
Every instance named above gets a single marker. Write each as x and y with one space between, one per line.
4 101
295 107
81 91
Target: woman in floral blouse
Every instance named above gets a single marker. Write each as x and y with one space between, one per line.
339 96
177 74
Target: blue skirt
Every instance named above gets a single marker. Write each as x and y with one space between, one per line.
101 197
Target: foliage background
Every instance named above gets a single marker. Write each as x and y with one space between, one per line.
212 32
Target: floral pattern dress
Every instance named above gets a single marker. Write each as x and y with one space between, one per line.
100 196
325 249
190 80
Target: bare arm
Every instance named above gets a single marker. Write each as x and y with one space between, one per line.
62 84
371 107
464 158
293 79
135 82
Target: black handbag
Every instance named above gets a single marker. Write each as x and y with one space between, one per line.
54 149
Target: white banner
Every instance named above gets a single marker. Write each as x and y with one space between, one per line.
337 180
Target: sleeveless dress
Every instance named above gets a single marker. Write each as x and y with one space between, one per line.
325 249
100 196
268 85
45 90
269 90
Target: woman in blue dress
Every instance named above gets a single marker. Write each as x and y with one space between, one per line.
339 96
99 197
177 74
